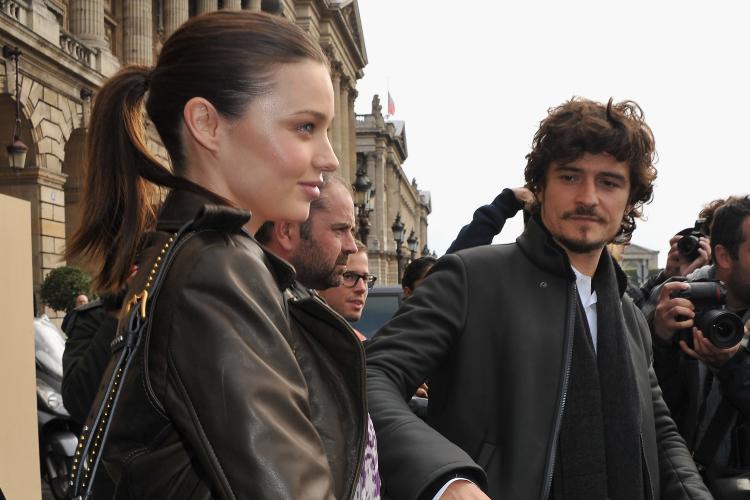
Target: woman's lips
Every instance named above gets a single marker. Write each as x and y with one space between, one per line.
311 189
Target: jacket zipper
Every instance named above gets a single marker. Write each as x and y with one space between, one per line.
645 468
552 452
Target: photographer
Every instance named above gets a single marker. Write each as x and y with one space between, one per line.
707 388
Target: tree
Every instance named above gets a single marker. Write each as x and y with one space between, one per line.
62 285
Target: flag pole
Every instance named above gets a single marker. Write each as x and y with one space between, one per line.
388 97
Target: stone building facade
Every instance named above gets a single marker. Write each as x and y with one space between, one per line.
69 47
381 152
640 262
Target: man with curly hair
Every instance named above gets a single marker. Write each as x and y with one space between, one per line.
541 384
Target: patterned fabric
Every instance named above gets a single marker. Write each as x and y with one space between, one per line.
368 486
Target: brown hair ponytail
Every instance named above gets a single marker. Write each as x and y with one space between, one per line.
225 57
121 179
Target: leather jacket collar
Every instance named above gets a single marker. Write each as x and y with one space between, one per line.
182 206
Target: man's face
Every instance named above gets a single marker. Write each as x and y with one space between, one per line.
320 259
583 201
738 280
350 301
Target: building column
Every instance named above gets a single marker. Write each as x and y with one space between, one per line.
352 133
336 128
232 4
175 13
376 164
44 190
203 6
138 44
255 5
87 22
343 112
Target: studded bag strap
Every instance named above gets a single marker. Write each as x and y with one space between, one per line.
137 313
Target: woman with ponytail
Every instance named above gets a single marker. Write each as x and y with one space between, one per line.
223 397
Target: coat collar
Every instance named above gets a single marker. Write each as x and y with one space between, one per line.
538 245
181 207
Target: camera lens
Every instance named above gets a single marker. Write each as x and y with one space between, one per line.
688 246
722 328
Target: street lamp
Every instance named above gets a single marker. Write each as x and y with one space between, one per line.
425 251
398 236
17 149
411 244
362 191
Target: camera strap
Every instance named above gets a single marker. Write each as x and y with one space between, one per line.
717 429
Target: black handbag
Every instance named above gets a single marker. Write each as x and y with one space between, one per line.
136 314
725 482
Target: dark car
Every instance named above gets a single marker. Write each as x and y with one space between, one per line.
382 302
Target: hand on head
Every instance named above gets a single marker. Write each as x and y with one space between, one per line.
523 195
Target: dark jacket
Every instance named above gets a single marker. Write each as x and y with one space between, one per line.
90 330
492 328
224 399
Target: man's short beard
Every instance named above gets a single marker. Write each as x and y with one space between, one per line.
581 247
312 269
741 291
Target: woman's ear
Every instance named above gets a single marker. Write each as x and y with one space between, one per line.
202 122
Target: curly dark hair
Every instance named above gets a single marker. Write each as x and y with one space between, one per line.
708 211
726 227
582 126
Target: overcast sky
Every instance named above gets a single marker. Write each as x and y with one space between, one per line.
472 80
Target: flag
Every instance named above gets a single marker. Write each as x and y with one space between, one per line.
391 105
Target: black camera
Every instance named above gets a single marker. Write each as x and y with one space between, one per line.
689 244
722 328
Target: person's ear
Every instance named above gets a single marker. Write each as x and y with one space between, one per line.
202 122
722 258
286 234
539 196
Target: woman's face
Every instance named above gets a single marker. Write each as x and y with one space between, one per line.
272 158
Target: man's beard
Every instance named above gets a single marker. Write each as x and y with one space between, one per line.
739 288
582 246
312 269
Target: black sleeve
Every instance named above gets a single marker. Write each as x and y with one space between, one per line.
673 378
414 459
734 381
488 221
672 375
86 355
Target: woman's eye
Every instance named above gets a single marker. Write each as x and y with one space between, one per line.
306 128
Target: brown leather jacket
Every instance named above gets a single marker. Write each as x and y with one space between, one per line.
224 399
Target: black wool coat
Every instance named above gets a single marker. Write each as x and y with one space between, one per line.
491 328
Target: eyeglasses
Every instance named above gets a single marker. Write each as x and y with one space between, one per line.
351 278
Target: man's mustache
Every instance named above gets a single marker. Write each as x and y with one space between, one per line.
584 211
